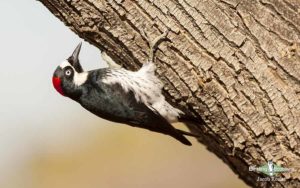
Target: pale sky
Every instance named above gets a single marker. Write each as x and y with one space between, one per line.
33 43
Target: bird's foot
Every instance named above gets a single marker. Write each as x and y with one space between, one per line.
154 43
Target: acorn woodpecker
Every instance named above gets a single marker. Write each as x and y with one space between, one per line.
120 95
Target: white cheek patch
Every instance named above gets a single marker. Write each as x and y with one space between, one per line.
79 78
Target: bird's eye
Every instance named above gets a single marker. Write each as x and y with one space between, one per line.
68 72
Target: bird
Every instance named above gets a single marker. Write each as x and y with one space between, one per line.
119 95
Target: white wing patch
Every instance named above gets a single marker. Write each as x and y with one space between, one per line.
147 88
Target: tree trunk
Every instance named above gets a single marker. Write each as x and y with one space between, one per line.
233 63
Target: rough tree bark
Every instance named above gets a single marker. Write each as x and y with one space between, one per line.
234 63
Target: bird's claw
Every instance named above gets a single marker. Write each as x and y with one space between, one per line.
154 43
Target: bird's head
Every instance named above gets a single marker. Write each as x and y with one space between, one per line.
69 74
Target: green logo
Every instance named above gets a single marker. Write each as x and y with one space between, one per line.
270 169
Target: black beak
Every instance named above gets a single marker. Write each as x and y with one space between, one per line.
74 59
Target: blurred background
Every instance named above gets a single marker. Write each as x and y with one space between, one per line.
47 140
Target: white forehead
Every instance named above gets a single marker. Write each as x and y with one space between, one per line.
65 64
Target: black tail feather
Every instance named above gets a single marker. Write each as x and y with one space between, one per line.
182 139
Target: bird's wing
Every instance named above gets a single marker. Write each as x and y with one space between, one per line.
146 87
138 114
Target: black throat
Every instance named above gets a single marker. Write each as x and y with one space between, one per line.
72 91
